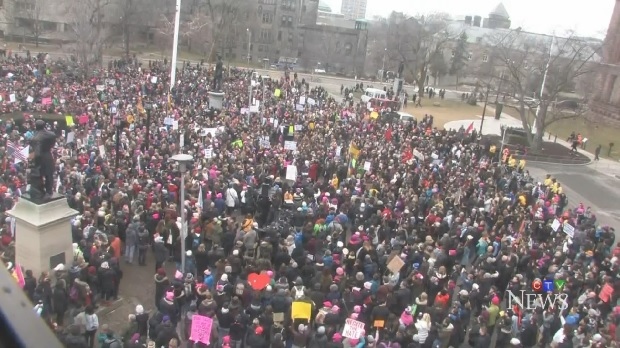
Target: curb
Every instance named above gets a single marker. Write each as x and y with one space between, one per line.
561 164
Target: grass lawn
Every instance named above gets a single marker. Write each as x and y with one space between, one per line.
450 110
595 133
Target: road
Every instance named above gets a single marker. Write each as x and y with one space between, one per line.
584 184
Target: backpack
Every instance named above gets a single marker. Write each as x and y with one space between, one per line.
109 341
74 293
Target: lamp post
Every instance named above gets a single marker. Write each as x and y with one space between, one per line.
148 107
249 44
486 99
118 124
183 160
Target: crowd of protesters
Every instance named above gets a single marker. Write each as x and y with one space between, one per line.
316 195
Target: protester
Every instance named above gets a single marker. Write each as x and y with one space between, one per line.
417 233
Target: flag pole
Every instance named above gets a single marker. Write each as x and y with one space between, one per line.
544 80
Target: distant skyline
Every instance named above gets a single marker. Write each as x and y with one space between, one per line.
586 19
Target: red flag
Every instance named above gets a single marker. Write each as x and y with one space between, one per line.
388 134
470 128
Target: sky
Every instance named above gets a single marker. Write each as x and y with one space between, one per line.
538 16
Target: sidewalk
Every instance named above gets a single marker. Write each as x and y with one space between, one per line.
603 165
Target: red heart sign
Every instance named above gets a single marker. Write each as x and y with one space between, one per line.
258 281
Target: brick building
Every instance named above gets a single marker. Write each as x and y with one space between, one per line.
605 104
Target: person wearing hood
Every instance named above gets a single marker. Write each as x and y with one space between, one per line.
75 338
162 283
166 331
168 307
107 280
131 238
142 320
160 252
143 244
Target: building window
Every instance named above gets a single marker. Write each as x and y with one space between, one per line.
267 18
453 54
348 49
280 35
485 58
290 37
469 56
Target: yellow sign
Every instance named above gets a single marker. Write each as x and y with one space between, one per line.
301 310
379 324
354 151
69 120
277 92
374 115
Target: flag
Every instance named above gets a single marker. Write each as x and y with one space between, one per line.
388 134
199 203
470 128
58 184
20 154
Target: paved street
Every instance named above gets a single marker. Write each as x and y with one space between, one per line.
584 184
137 287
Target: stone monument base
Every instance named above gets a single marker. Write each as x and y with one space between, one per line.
216 100
43 233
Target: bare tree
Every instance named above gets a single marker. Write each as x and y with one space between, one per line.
33 10
560 62
192 26
129 16
89 30
231 18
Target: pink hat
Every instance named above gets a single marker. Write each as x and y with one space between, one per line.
327 304
353 341
354 316
335 309
178 275
219 195
170 296
357 309
270 274
339 271
337 337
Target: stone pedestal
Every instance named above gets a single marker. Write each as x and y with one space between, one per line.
43 233
216 100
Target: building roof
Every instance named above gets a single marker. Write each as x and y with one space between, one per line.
500 11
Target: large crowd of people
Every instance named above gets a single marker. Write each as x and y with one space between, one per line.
416 233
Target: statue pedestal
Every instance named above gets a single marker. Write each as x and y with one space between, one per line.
43 233
216 100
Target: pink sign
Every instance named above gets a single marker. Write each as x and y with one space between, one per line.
19 276
46 101
83 119
201 329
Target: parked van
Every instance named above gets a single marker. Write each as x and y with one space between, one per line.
371 93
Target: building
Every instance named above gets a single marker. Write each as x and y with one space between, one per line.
605 104
498 18
353 9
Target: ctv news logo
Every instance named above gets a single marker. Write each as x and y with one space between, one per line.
546 294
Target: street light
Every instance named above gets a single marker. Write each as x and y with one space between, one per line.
486 98
148 107
249 44
182 160
119 124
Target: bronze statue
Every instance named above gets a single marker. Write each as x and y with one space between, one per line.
217 75
41 177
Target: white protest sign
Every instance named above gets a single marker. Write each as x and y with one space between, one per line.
291 172
353 329
299 107
154 79
100 88
311 101
264 143
555 225
290 145
367 166
30 99
209 152
254 109
569 230
302 100
12 97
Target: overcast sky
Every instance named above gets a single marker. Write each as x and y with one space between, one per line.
541 16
